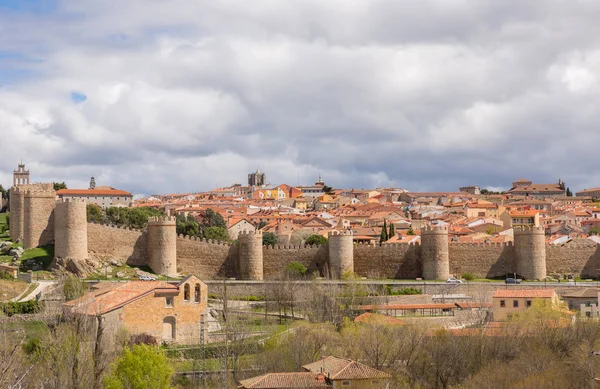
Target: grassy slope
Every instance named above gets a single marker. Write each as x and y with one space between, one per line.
11 289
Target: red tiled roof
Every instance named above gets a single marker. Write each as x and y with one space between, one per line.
285 380
524 293
369 317
344 369
405 306
110 296
92 192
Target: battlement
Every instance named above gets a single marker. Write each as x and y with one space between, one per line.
117 227
71 201
245 234
528 230
340 233
434 230
202 240
161 220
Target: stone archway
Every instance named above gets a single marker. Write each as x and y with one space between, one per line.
169 332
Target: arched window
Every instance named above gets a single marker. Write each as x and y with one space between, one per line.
197 293
186 292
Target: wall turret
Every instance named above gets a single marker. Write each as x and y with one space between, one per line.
530 250
162 245
251 255
434 253
17 200
38 206
341 253
70 229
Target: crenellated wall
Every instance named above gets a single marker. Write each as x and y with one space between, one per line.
206 259
483 260
392 260
275 259
162 245
70 229
38 217
125 244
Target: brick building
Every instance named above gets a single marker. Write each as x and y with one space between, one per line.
169 312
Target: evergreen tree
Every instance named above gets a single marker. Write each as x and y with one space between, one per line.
569 193
392 231
383 237
410 231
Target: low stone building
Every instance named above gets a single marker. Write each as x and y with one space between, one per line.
170 312
508 302
329 372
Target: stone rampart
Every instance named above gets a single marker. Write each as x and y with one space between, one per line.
38 216
392 260
125 244
583 260
341 258
483 260
434 253
275 259
70 229
162 245
206 259
250 246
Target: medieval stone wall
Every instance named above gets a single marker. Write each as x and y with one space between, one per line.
481 259
394 260
275 259
70 229
38 225
206 259
162 245
106 242
251 255
581 260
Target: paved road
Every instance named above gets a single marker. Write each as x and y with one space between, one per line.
42 285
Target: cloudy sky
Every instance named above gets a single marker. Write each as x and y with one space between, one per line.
157 96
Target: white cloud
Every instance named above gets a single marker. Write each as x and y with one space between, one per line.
189 95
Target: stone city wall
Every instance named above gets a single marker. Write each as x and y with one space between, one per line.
275 259
107 241
394 260
206 259
583 260
482 260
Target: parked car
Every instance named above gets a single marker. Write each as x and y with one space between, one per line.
511 280
147 278
453 280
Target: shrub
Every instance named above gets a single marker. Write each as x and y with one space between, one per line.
468 276
20 308
32 345
295 270
316 240
269 239
402 292
142 338
4 275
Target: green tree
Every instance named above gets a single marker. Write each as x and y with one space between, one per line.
5 193
140 367
327 189
213 219
216 233
569 193
59 185
383 237
595 231
410 231
94 213
269 239
73 287
187 226
295 270
316 239
392 232
262 224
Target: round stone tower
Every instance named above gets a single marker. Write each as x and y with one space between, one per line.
530 252
434 252
162 245
17 200
38 206
341 253
251 255
70 229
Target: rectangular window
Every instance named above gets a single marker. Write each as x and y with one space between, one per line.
169 302
515 303
502 303
345 383
528 303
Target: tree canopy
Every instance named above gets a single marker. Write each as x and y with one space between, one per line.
269 239
140 367
316 239
59 185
